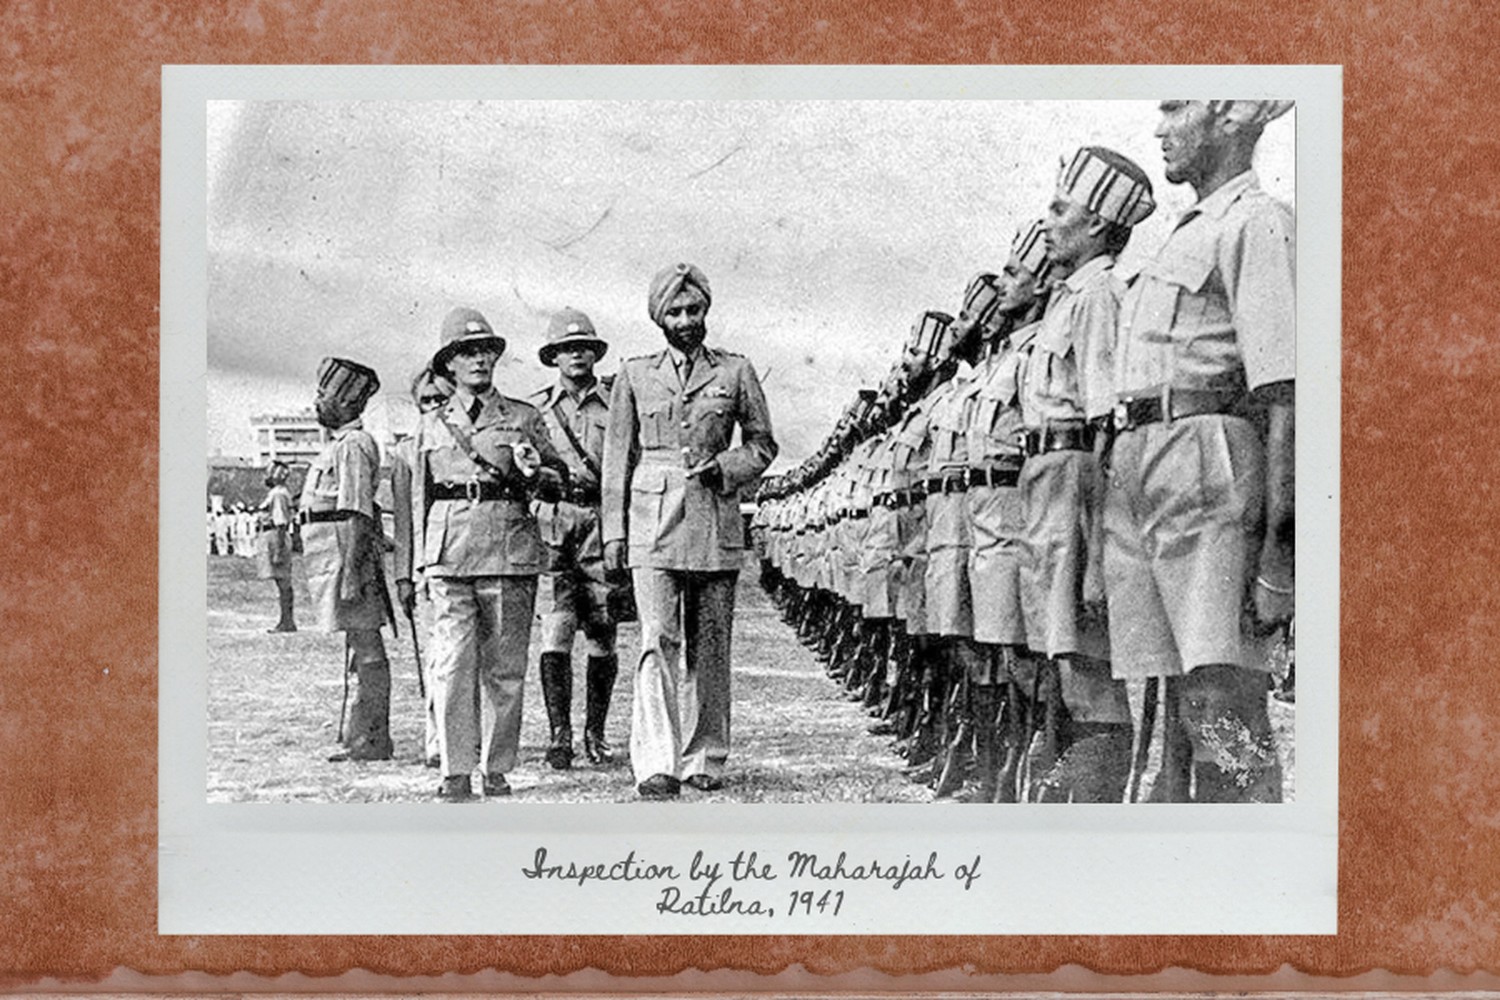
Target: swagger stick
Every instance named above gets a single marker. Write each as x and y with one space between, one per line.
348 665
416 648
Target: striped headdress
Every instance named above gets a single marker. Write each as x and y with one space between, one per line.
1112 186
981 298
348 381
1030 250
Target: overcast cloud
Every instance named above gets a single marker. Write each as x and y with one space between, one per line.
824 228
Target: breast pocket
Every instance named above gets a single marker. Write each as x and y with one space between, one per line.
655 421
1187 300
648 487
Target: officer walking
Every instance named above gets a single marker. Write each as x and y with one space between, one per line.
342 552
671 511
576 413
1199 509
478 459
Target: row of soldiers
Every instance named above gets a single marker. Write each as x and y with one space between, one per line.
624 491
1084 479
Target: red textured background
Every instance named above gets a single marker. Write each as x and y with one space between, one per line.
79 150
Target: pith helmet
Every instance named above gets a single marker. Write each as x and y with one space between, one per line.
570 328
462 327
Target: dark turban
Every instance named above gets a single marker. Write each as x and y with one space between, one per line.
671 280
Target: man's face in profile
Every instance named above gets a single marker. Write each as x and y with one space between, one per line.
1189 143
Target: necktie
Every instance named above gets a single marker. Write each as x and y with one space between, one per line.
474 407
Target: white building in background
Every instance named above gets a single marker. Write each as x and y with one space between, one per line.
293 438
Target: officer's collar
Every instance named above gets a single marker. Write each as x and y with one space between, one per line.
1219 202
678 358
357 424
556 393
1083 272
462 397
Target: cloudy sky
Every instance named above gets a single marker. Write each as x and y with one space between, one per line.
824 228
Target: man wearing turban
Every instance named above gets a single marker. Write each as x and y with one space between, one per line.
671 512
1199 508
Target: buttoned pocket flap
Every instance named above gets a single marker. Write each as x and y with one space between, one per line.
1187 270
649 479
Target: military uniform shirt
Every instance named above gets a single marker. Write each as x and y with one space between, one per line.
587 417
1216 308
342 477
479 538
995 416
1066 375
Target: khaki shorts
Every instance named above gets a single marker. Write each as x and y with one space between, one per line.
1182 519
1060 492
877 561
950 609
997 518
578 589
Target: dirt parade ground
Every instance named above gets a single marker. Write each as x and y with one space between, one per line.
274 710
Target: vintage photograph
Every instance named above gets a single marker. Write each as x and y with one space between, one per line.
756 451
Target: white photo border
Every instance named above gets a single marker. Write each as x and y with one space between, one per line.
419 869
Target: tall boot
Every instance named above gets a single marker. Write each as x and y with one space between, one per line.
557 693
985 708
1099 760
1013 730
1175 774
368 734
1050 741
284 598
600 682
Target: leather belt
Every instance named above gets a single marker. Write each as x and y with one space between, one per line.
323 516
1050 439
582 496
857 515
994 477
476 491
949 482
1171 404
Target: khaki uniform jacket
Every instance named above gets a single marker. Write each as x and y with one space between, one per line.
658 429
462 537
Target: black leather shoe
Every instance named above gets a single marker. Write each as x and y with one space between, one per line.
456 788
597 749
705 782
659 786
495 786
560 755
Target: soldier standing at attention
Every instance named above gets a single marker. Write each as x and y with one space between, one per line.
1199 509
478 459
1066 393
430 392
576 412
671 511
342 551
276 542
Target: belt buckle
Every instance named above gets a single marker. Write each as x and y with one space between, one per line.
1122 415
471 491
